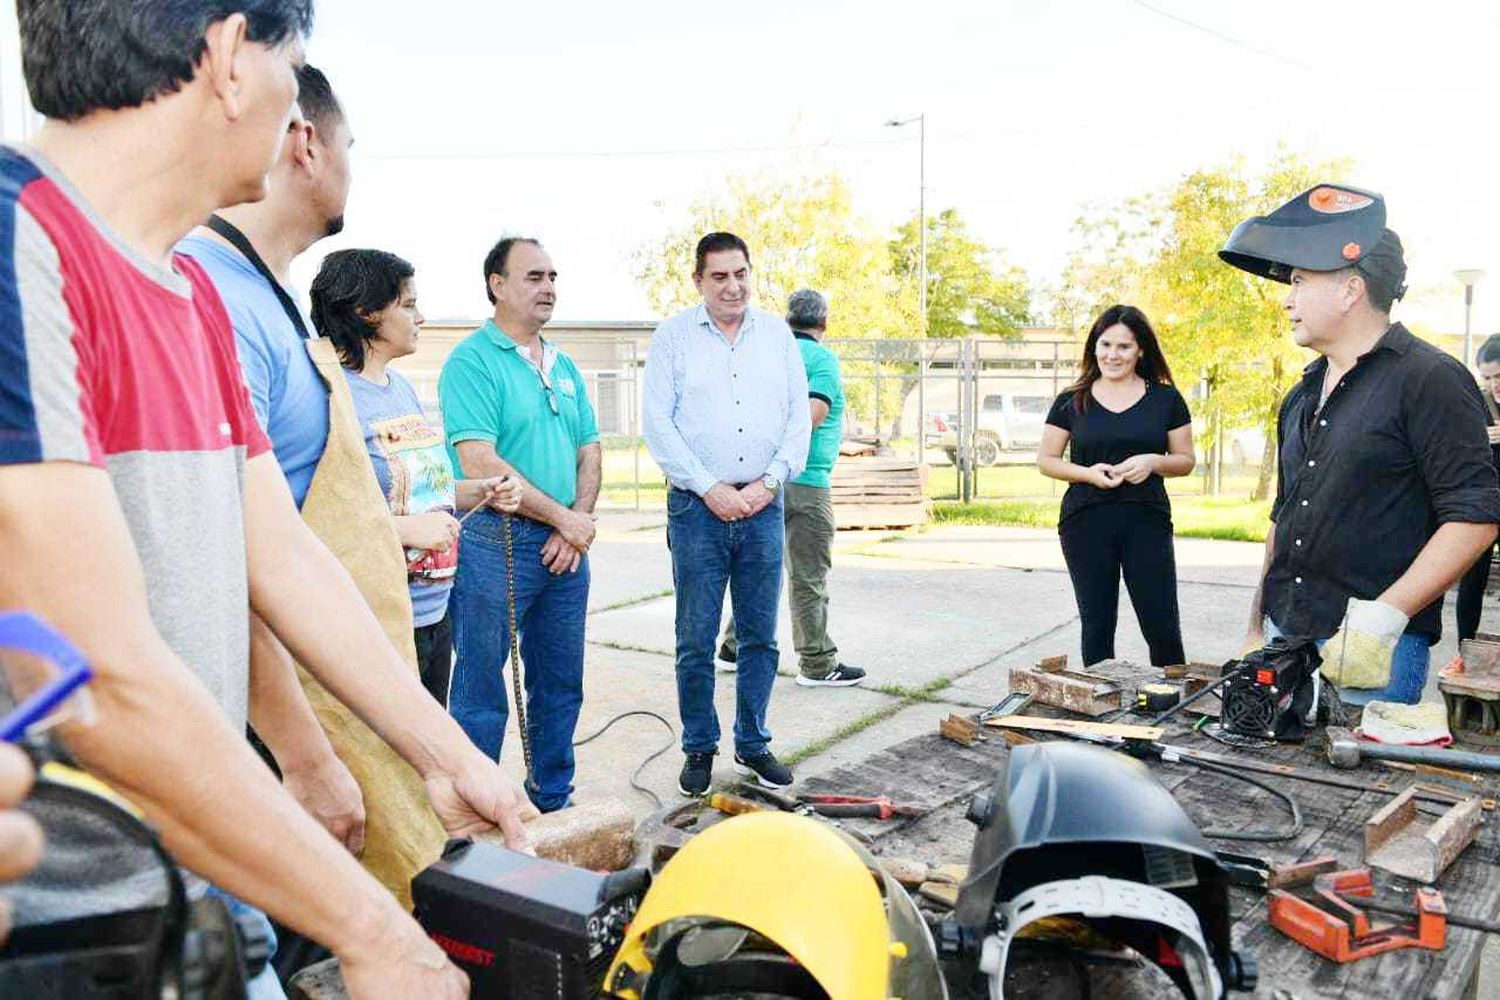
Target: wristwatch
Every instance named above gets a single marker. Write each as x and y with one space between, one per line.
770 482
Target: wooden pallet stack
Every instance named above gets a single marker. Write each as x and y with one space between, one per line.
879 493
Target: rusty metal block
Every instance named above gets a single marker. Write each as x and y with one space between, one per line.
1481 656
960 729
1402 841
598 835
318 982
1074 690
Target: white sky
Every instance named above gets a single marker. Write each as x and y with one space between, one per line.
593 125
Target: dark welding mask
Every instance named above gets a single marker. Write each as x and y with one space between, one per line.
1326 228
1088 835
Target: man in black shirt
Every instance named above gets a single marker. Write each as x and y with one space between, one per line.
1385 492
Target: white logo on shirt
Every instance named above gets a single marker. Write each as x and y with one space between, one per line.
224 429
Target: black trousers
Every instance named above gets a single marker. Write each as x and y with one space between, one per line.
1471 594
1100 544
435 657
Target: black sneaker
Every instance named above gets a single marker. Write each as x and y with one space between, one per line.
841 676
697 774
727 659
770 772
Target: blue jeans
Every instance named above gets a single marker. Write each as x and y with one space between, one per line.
264 986
1409 663
707 555
550 613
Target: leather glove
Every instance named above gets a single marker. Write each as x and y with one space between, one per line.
1359 654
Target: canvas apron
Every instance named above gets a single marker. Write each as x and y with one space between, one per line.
345 508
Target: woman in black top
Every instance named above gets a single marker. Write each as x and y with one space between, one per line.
1471 587
1127 427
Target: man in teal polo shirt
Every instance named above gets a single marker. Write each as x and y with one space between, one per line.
514 405
809 506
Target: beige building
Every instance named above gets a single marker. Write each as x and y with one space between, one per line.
610 355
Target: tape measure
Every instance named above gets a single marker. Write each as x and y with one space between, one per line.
1157 697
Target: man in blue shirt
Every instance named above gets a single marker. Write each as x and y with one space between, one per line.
309 185
726 418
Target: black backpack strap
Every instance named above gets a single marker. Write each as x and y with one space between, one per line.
237 239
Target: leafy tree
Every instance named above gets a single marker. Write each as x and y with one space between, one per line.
969 288
1216 323
802 233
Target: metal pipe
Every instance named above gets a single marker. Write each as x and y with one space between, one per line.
1345 751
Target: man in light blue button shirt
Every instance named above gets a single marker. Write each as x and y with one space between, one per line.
726 418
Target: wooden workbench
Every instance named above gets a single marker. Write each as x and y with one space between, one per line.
935 772
941 777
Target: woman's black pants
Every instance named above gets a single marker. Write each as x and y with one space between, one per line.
1105 541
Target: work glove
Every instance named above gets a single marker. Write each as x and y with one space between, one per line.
1359 654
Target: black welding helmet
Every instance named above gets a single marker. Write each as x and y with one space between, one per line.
1064 824
1326 228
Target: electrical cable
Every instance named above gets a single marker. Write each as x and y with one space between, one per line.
1221 36
635 775
1262 836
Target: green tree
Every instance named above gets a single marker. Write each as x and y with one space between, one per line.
802 233
970 289
1216 323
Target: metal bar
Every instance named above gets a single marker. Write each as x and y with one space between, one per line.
921 399
635 419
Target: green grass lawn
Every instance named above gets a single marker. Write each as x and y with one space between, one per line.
1006 494
1231 518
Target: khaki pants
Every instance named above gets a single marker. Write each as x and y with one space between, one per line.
809 556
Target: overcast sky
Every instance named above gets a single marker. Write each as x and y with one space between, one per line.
593 125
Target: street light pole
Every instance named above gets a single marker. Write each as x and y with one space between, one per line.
1469 276
921 121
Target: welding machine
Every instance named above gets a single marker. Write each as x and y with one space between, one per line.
1272 695
525 928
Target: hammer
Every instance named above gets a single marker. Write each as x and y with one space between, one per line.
1345 751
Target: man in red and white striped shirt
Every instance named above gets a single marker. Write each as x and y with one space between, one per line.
141 509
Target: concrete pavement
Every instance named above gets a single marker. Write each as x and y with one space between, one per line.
936 616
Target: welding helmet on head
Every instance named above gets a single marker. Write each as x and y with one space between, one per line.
1326 228
779 905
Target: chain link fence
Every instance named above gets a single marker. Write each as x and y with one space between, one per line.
972 409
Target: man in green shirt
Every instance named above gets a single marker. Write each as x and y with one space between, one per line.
809 506
514 405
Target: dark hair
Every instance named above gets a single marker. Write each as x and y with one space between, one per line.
316 99
499 256
81 56
353 286
1489 351
1151 365
717 243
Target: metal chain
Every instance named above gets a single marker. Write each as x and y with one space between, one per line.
518 693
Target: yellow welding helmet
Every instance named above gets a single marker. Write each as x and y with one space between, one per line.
779 905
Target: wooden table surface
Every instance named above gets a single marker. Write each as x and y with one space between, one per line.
941 776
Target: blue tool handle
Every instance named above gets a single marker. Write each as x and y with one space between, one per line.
25 633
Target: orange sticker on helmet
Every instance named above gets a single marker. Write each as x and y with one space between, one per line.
1332 200
1351 251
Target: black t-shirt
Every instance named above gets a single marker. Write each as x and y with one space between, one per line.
1101 435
